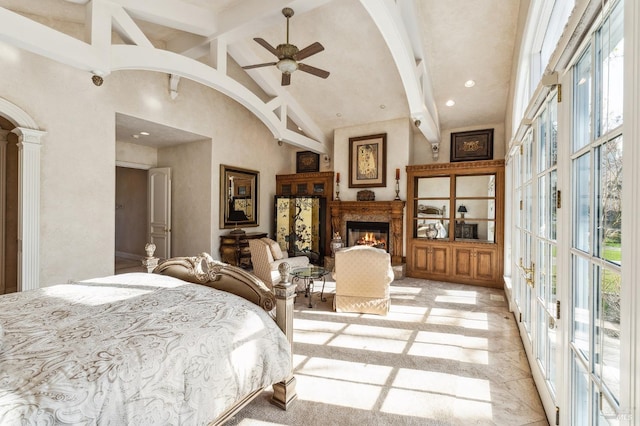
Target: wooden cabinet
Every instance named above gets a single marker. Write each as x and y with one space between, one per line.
318 184
455 222
234 248
476 264
315 184
432 259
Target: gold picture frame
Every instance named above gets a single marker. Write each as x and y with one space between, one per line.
239 190
368 161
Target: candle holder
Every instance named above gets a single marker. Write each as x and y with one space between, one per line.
337 191
397 190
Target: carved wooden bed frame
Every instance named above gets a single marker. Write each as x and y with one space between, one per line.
204 270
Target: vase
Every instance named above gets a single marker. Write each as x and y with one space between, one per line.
336 244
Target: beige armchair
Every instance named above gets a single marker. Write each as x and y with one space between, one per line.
363 275
266 256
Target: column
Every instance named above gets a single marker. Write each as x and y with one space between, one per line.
29 144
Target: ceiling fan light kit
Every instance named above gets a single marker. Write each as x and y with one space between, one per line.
287 66
288 56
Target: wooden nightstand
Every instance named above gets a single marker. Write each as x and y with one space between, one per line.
234 248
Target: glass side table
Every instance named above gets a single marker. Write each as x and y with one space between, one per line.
310 274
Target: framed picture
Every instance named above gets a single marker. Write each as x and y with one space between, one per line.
473 145
307 161
368 161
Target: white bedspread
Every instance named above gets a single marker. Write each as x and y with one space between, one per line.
133 349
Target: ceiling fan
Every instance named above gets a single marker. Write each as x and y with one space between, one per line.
288 56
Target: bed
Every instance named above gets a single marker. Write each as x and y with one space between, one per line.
190 344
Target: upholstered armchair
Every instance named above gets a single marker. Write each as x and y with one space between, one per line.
266 256
362 275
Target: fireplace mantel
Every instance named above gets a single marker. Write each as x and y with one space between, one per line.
371 211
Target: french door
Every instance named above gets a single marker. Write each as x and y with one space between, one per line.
596 214
534 284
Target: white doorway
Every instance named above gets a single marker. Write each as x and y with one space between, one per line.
142 215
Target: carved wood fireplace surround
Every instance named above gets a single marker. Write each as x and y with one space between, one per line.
371 211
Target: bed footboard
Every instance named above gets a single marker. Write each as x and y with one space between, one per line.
204 270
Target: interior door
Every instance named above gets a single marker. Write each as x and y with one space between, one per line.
160 210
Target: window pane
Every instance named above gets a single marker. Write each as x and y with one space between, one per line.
541 349
581 210
581 316
528 199
553 131
580 395
551 344
610 333
553 190
607 415
541 271
610 61
582 102
543 203
542 141
610 206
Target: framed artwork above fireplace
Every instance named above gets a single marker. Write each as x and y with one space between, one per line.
368 161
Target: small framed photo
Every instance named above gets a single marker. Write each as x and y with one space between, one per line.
307 161
368 161
472 145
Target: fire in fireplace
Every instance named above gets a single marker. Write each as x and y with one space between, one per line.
375 234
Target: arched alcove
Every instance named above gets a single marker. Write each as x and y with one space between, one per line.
29 144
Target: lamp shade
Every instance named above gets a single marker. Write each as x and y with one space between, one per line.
462 209
237 216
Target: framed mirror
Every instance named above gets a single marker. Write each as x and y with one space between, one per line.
238 197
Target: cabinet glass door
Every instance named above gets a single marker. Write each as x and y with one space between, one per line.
475 208
431 208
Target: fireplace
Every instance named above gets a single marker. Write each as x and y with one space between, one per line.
374 234
388 212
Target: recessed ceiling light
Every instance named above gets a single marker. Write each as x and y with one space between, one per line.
144 133
469 83
382 106
135 136
338 114
450 103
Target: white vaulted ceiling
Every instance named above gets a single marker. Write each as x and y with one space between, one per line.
387 59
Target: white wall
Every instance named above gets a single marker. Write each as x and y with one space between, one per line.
137 156
79 151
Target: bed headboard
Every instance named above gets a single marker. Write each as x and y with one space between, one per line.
204 270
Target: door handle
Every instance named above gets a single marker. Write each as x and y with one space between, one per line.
529 273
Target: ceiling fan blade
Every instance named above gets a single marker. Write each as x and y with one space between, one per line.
313 70
248 67
286 79
267 46
312 49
